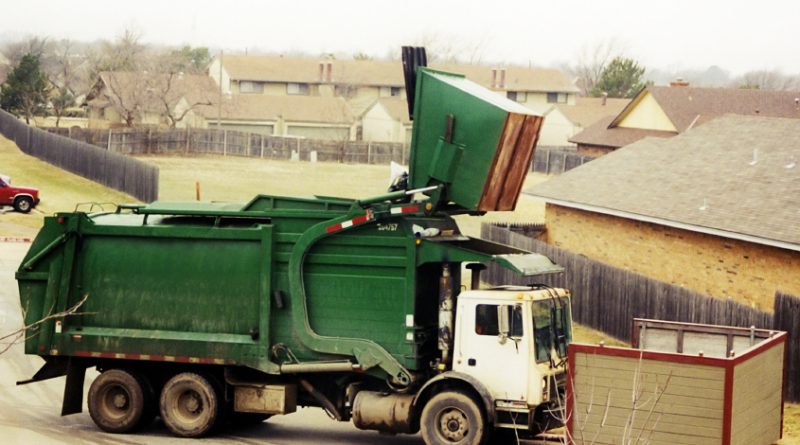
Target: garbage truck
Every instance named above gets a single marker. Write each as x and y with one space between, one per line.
209 314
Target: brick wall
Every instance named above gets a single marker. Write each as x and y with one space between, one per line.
716 266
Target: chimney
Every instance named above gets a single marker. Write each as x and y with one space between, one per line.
330 72
605 97
502 78
797 103
679 82
322 72
494 78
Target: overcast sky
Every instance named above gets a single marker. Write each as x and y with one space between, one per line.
672 34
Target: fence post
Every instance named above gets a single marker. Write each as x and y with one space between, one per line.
369 152
547 163
224 142
108 144
188 138
262 146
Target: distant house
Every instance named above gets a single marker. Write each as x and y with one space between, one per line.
299 116
713 209
589 110
162 100
668 111
363 82
387 121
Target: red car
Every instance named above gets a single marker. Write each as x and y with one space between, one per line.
22 198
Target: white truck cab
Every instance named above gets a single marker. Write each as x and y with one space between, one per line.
514 341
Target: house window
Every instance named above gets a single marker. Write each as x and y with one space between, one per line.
297 88
557 98
517 96
395 91
247 86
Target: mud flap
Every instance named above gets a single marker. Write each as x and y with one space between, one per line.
73 388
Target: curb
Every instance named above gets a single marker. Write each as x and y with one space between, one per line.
14 239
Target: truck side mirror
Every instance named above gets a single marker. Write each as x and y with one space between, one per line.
503 323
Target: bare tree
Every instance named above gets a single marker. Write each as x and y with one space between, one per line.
591 62
127 93
768 80
446 48
18 336
176 101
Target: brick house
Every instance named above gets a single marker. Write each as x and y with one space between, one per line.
714 209
659 111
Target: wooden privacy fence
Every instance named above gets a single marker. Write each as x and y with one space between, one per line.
607 298
138 141
114 170
787 318
553 161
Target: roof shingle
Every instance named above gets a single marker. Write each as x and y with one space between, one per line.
704 178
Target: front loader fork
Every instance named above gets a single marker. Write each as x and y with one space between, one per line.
367 353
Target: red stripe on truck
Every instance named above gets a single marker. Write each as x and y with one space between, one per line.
157 358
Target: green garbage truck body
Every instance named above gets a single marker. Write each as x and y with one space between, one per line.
205 313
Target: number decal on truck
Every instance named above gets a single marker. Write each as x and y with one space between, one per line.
390 227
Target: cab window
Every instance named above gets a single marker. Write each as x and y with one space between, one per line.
486 322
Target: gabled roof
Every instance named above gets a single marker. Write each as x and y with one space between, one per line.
733 177
303 70
262 107
383 73
517 78
599 134
688 107
395 107
589 110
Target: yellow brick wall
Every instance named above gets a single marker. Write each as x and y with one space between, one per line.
716 266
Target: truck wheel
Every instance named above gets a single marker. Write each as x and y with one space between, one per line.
452 417
190 405
116 401
23 204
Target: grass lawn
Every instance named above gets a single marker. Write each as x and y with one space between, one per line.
59 190
237 179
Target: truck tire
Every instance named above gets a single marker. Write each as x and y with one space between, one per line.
116 401
453 418
23 204
190 405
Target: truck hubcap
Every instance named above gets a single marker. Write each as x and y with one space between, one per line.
120 401
190 403
453 424
115 403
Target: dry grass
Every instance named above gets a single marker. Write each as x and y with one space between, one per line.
237 179
59 190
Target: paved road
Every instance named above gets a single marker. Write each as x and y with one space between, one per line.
30 414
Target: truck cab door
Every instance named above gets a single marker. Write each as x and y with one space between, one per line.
500 362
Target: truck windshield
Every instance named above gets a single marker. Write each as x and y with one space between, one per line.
552 328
